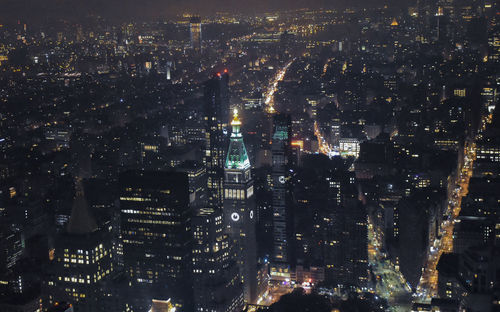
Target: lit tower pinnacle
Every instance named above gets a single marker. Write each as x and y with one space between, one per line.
239 206
237 157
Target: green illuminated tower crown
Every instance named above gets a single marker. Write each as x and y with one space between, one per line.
237 157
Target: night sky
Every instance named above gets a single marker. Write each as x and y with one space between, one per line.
122 9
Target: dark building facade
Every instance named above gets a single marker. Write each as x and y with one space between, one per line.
156 233
82 259
280 162
217 286
216 100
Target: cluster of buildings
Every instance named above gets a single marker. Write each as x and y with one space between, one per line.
467 276
214 164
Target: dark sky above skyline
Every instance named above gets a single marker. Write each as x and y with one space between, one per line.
36 10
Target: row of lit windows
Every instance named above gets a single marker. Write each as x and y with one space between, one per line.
234 194
137 199
150 234
96 277
74 293
80 253
489 157
134 242
156 213
488 150
152 221
80 259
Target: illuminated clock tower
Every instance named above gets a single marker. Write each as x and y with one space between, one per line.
239 209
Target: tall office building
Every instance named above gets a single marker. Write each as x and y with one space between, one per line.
82 259
239 209
279 151
195 33
355 242
217 286
155 226
216 99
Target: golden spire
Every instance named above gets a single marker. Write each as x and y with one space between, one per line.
394 22
236 121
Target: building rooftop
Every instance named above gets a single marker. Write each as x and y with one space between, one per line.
81 221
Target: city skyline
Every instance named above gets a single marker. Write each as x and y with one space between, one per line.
237 157
121 10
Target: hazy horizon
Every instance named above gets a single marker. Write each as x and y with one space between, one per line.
35 10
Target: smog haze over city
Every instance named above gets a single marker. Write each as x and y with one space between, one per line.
122 9
249 156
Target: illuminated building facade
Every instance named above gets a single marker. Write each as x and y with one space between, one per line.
488 157
460 92
155 227
239 209
59 136
82 259
217 286
313 103
195 33
150 155
487 162
490 97
349 147
216 99
162 306
279 151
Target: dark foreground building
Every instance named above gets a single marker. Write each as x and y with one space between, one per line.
155 226
82 259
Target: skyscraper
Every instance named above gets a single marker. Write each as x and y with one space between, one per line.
355 241
195 33
280 145
217 286
155 225
239 209
216 99
82 258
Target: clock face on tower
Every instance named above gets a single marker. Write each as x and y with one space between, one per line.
251 214
281 179
235 216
